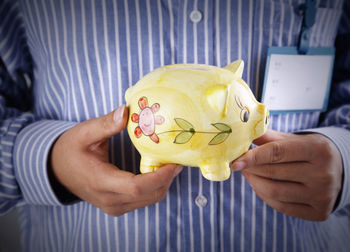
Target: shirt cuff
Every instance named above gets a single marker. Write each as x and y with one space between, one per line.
31 152
10 193
341 138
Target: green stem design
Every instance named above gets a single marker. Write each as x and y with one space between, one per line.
202 132
188 131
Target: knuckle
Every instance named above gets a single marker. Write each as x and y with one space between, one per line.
323 146
327 149
84 131
324 207
116 212
255 157
277 152
104 123
108 211
326 177
326 201
322 216
121 210
135 191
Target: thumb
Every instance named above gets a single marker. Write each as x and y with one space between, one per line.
106 126
270 136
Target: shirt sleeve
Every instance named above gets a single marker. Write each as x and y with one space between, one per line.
31 158
12 59
335 123
25 140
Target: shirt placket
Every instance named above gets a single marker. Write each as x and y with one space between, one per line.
194 44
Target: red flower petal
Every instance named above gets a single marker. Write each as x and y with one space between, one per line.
154 138
155 107
138 132
159 119
135 117
143 102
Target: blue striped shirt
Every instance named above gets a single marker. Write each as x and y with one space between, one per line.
79 57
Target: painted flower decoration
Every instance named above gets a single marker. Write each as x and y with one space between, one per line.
147 120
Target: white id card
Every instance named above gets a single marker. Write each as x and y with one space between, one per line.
297 83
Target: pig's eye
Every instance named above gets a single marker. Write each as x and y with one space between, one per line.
244 110
267 119
244 115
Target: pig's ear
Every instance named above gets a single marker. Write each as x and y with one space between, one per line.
217 98
236 67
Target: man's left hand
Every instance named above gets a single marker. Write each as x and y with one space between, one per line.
299 175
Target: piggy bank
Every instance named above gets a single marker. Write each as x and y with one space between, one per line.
194 115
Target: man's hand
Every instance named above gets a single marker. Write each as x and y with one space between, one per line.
79 160
299 175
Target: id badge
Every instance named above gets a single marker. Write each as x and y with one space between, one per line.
295 82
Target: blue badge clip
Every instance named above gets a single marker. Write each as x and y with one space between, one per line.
309 11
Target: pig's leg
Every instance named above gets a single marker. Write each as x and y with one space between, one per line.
149 165
216 170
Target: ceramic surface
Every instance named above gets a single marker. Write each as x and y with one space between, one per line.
194 115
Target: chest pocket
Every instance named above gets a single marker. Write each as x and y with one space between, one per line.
278 23
282 22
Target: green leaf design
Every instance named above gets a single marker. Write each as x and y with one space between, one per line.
219 138
183 124
222 127
183 137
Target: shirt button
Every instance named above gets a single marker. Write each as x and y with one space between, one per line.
201 201
196 16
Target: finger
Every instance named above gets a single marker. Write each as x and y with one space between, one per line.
124 182
289 150
100 128
293 172
270 136
297 210
111 199
288 192
136 205
126 204
154 196
128 207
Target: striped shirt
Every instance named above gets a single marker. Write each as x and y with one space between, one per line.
79 57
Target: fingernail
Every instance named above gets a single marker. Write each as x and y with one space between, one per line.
238 166
118 114
178 169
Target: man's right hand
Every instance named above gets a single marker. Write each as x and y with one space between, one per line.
79 161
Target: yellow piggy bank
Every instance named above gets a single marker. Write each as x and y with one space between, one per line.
194 115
